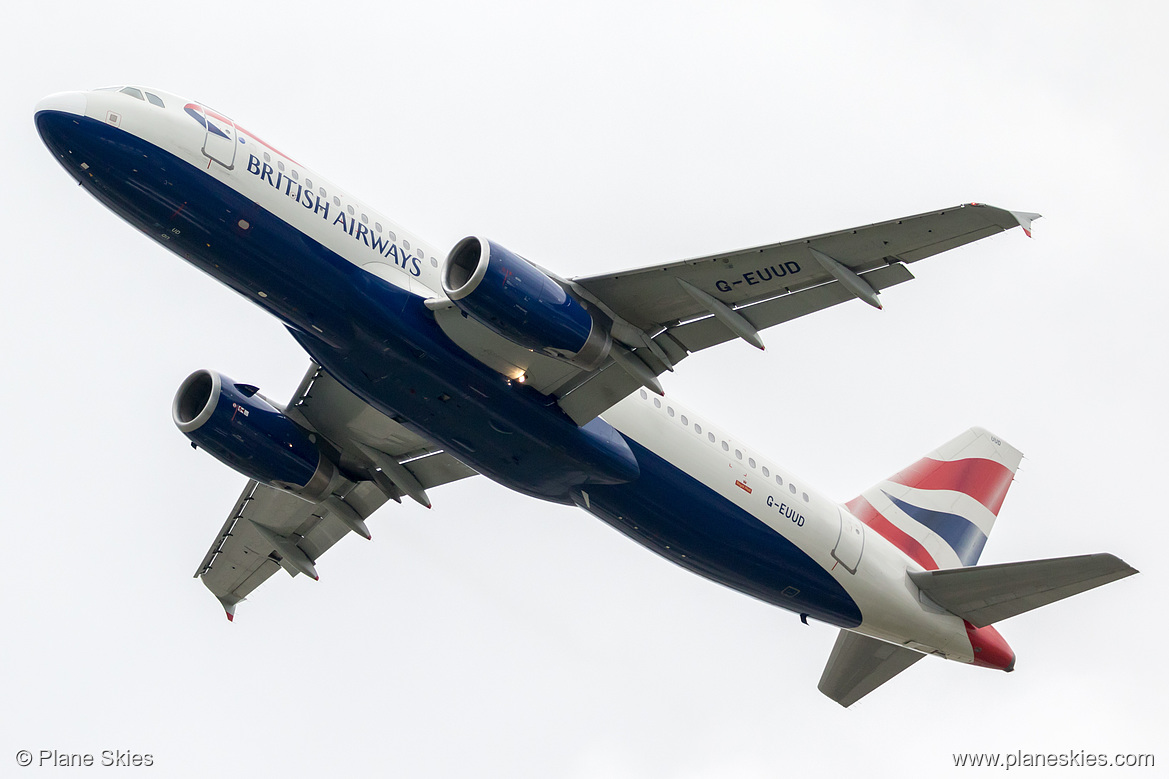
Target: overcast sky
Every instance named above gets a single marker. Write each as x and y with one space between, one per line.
498 636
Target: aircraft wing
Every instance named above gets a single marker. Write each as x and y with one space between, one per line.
650 298
269 529
663 313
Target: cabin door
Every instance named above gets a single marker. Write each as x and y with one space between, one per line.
850 544
221 140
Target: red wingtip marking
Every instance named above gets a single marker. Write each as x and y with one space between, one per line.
1027 231
230 616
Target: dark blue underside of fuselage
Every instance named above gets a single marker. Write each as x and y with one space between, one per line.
385 346
685 521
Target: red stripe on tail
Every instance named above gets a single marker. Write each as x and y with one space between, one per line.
984 480
864 511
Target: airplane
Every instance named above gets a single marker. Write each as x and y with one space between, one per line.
428 368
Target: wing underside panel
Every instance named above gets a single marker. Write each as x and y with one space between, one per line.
269 529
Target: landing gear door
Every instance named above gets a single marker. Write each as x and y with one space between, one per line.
221 139
850 544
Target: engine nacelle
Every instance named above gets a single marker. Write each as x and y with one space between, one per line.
242 430
514 298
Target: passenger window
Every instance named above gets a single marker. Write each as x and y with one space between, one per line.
377 226
766 472
364 219
711 437
792 487
805 497
132 92
738 454
280 166
295 175
726 447
684 422
406 245
751 461
670 410
155 100
644 396
698 428
657 403
779 480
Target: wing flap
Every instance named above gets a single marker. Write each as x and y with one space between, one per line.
985 594
860 664
705 333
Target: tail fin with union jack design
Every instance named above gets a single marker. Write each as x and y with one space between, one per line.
941 509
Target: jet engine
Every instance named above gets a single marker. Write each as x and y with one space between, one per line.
247 433
511 296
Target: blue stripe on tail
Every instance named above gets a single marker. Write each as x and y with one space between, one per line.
963 536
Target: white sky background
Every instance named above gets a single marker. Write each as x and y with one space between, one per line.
498 636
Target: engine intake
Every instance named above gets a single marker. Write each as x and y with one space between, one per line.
511 296
248 434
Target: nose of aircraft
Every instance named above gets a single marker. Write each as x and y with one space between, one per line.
58 119
63 102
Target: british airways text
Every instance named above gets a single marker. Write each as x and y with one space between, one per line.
348 223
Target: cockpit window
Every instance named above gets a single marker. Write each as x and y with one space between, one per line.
133 92
155 100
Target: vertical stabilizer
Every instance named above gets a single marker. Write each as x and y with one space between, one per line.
941 509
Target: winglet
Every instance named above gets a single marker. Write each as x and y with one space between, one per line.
1025 218
228 608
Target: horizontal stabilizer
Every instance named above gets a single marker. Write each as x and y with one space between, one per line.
859 664
985 594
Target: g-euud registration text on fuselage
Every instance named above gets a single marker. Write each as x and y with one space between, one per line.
426 369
